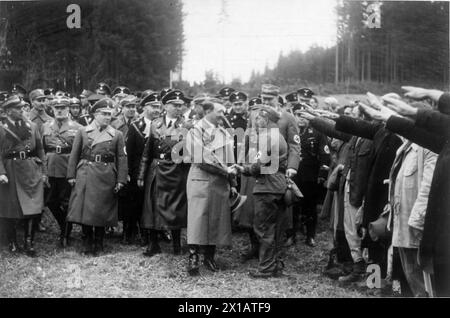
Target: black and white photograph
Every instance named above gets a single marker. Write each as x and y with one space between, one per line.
247 151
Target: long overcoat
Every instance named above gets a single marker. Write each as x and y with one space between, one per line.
208 185
93 201
23 195
165 202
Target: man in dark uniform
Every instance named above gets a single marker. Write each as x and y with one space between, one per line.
138 133
57 139
238 118
314 163
22 174
165 202
76 112
123 124
84 101
103 89
224 95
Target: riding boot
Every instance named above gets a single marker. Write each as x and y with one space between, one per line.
66 238
153 246
253 252
12 236
176 240
193 262
88 232
98 239
29 229
208 261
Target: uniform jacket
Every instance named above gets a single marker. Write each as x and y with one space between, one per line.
23 195
272 156
135 142
208 185
39 119
410 180
122 125
315 153
93 201
384 147
54 139
165 205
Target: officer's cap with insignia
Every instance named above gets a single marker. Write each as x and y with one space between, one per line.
129 100
18 89
121 90
104 104
226 92
60 101
297 107
3 96
237 97
292 98
164 91
13 101
151 99
86 93
269 90
61 93
36 93
147 92
176 97
305 93
75 102
94 98
103 89
49 92
255 101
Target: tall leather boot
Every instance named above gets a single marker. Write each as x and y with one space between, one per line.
176 241
29 229
193 267
88 232
98 239
12 236
253 252
153 246
66 237
125 232
208 261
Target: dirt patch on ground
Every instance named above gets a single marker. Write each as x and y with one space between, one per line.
122 271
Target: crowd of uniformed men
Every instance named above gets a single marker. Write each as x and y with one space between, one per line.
160 162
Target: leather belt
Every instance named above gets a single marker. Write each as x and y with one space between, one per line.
99 158
59 150
22 155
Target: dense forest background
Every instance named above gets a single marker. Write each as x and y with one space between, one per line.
120 41
137 43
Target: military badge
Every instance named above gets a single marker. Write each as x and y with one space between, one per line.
297 139
326 149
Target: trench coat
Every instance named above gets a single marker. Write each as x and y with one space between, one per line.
23 195
290 132
165 202
208 185
93 201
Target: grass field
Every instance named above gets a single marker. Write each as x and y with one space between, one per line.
122 271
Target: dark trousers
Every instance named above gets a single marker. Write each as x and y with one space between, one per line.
131 200
308 205
441 278
57 200
270 210
378 254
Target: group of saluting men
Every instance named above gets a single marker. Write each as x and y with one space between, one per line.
162 161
